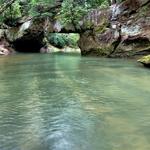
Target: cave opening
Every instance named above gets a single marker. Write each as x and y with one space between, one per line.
27 45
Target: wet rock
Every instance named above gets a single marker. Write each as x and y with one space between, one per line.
145 60
53 49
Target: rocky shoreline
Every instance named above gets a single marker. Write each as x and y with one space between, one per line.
122 30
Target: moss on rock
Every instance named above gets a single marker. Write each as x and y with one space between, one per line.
145 60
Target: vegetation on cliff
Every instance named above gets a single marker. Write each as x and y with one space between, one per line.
113 28
68 11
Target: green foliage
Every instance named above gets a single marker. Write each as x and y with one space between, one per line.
91 3
57 40
71 12
12 13
37 7
61 40
73 39
97 3
144 11
104 4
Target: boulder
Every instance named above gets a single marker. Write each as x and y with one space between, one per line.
3 50
101 44
145 60
5 46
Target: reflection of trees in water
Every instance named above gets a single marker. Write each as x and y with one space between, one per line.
23 85
73 100
112 88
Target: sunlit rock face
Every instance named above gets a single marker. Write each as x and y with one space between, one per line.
145 60
121 31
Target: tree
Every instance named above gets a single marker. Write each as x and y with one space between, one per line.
11 10
68 11
5 5
71 12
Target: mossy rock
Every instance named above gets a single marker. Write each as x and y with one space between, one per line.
102 27
145 60
104 50
88 24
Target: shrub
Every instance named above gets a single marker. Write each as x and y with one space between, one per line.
61 40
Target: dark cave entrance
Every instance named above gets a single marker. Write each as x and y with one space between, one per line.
28 45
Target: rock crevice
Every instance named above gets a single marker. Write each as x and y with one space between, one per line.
128 32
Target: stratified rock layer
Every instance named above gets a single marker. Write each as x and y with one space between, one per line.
123 30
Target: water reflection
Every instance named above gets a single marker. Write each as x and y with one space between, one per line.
58 102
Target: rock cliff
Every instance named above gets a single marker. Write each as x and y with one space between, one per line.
123 30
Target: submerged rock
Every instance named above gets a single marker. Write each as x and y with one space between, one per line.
145 60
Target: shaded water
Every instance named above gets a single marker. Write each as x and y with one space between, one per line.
58 102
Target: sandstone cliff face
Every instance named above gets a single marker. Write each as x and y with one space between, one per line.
121 31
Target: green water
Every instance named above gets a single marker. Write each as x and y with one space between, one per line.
58 102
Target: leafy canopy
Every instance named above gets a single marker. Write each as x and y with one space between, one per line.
68 12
